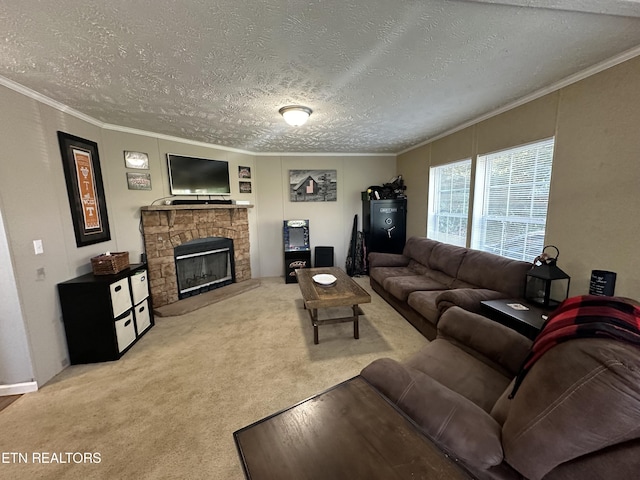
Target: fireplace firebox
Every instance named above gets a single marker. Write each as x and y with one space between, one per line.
204 264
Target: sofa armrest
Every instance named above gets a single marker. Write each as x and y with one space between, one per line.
453 422
379 259
484 338
467 298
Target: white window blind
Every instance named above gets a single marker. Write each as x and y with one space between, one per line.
449 202
511 199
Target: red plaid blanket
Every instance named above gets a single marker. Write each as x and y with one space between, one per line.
587 316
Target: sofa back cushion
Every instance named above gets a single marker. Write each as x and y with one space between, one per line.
494 272
581 396
419 249
446 258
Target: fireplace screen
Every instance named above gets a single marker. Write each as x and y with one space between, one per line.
204 264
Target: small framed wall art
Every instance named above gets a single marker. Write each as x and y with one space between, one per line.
244 187
244 172
137 160
138 181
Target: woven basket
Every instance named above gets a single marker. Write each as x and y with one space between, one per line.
110 264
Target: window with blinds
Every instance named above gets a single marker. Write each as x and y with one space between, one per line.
510 200
449 202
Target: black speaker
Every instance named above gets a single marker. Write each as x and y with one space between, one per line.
323 257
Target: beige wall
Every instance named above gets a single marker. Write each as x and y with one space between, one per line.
595 187
595 193
330 223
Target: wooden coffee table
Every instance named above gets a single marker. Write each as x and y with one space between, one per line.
349 432
345 292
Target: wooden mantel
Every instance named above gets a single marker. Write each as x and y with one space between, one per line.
172 209
207 206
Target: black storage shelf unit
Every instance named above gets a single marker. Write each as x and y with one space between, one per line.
105 315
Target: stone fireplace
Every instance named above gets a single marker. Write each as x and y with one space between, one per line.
186 228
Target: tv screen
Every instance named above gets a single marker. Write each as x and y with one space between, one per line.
198 176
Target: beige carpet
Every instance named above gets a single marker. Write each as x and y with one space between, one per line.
169 407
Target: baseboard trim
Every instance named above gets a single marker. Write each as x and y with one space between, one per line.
18 388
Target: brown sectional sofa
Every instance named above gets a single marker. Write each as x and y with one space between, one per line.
431 276
576 414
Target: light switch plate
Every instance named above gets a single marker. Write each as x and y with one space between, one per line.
37 247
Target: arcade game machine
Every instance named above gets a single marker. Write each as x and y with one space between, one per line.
297 250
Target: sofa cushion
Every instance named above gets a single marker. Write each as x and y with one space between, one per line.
424 302
401 287
468 298
493 272
419 249
379 274
461 372
440 277
457 283
380 259
581 396
446 258
500 347
454 423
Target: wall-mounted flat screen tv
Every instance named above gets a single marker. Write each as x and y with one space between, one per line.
198 176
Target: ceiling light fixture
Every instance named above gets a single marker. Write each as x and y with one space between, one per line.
295 115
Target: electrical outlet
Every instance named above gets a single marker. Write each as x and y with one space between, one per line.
40 274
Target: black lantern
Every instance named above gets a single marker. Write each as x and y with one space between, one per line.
546 286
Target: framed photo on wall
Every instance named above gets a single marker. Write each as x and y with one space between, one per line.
138 181
244 172
313 186
83 176
136 160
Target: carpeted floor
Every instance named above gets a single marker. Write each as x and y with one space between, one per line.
168 408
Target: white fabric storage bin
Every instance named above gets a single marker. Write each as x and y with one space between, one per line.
139 286
143 319
125 331
120 297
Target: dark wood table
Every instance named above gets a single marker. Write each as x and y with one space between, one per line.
349 432
345 292
528 322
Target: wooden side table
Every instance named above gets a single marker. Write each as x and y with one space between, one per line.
523 317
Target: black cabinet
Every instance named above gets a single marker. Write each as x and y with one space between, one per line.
384 224
104 315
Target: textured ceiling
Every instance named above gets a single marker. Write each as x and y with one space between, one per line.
380 75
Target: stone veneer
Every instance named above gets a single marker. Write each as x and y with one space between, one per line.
166 227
